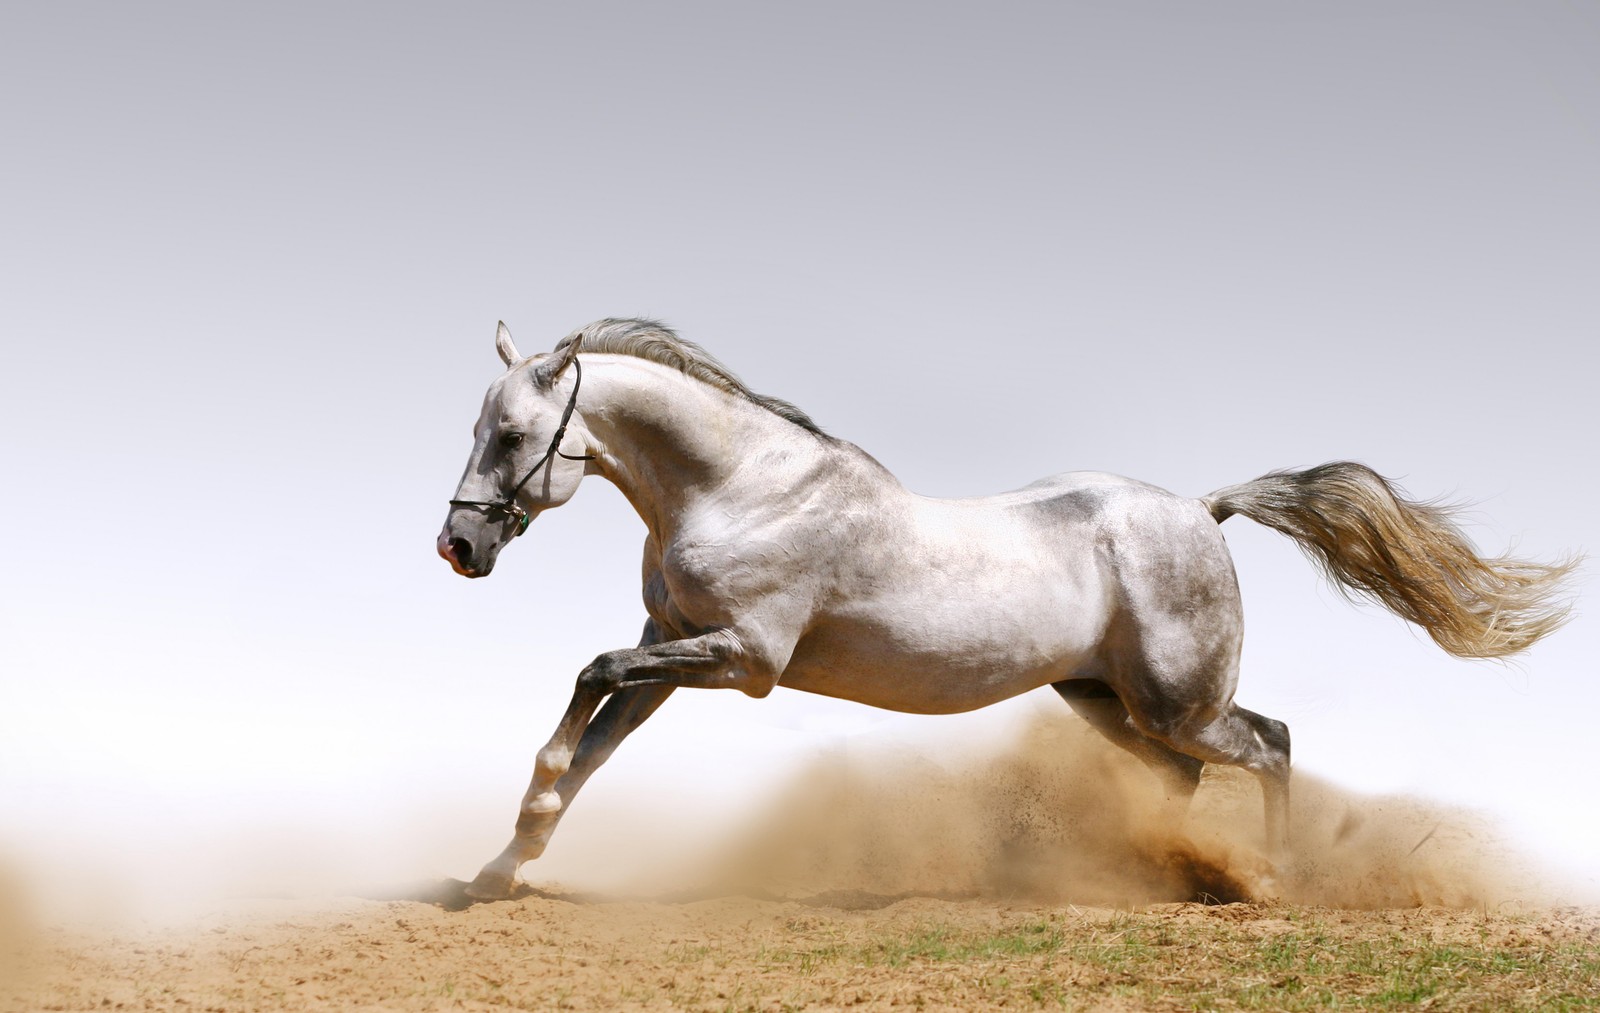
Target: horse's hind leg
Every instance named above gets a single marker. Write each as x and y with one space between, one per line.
1238 738
1172 651
1097 704
1260 745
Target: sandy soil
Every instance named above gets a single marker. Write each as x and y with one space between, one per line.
1051 877
543 952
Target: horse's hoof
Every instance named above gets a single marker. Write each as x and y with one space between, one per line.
490 886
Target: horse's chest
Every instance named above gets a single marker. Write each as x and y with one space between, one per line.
712 581
705 570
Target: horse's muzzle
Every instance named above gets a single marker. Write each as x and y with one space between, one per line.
458 553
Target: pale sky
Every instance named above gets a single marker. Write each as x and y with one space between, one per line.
251 263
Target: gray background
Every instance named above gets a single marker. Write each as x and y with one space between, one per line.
250 265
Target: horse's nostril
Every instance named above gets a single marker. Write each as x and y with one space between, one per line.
462 550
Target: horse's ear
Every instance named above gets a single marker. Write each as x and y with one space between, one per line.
549 371
503 345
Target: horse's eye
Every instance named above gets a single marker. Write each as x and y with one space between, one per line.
511 441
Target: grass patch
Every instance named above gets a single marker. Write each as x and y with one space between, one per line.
945 944
1214 964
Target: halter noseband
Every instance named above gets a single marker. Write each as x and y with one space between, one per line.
508 506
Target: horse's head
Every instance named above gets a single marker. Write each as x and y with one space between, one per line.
518 466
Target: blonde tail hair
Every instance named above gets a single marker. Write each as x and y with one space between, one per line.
1409 557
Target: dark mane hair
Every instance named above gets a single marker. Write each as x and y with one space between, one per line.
656 342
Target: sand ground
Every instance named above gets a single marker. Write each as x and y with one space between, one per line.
549 952
1053 877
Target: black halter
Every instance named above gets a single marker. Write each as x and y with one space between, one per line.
508 506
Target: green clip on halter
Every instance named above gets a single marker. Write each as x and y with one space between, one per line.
508 506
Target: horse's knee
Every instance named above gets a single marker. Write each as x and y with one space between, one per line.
601 676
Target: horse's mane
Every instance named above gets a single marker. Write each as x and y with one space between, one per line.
656 342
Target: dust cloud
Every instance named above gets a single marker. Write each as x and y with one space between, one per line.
1064 817
1049 813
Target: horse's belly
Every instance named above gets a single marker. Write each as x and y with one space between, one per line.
917 692
938 659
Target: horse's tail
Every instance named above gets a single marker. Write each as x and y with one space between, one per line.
1407 556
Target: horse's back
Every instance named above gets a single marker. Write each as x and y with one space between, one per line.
1111 513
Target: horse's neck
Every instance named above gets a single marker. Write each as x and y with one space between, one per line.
670 443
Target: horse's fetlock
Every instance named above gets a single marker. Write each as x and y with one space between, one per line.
534 809
552 762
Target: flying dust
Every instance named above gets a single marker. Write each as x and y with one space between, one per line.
1048 813
1064 817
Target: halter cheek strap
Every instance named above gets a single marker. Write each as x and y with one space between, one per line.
508 505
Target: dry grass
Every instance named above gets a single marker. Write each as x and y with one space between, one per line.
1242 957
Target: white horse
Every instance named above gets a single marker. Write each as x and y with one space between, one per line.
778 554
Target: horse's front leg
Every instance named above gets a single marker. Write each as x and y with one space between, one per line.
625 711
638 680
